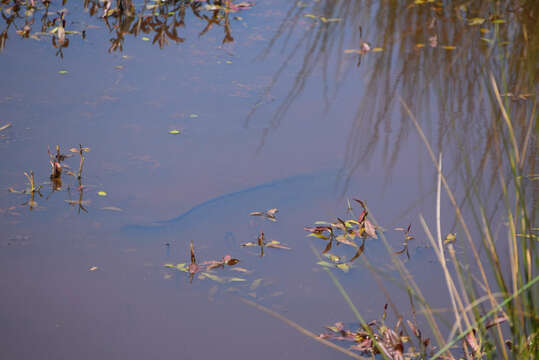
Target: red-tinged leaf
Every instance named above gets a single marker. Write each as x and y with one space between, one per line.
344 240
325 336
214 266
73 150
232 262
339 325
272 211
250 243
498 320
409 226
370 230
362 216
414 329
257 213
193 268
277 245
359 251
226 258
361 203
393 343
260 239
472 341
318 229
426 342
363 345
328 247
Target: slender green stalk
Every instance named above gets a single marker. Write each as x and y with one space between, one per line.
485 317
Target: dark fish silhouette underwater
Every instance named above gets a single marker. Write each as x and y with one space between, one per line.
291 195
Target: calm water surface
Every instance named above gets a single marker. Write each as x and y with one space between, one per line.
271 92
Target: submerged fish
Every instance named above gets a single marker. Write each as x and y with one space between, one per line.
292 196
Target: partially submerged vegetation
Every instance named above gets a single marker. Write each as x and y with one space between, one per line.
157 21
493 296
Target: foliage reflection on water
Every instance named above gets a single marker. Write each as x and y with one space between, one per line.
162 20
435 57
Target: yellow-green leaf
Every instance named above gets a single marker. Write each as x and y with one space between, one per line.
325 263
102 193
344 267
475 21
174 132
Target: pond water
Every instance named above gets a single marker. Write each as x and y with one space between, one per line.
203 112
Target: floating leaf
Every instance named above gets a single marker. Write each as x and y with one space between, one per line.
255 284
111 208
193 116
212 277
448 47
498 21
236 279
63 72
93 268
333 258
242 270
325 263
344 267
174 132
276 244
4 127
311 16
101 193
171 266
182 267
344 240
359 251
475 21
370 230
193 268
145 38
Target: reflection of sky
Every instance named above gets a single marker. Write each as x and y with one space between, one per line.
124 117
